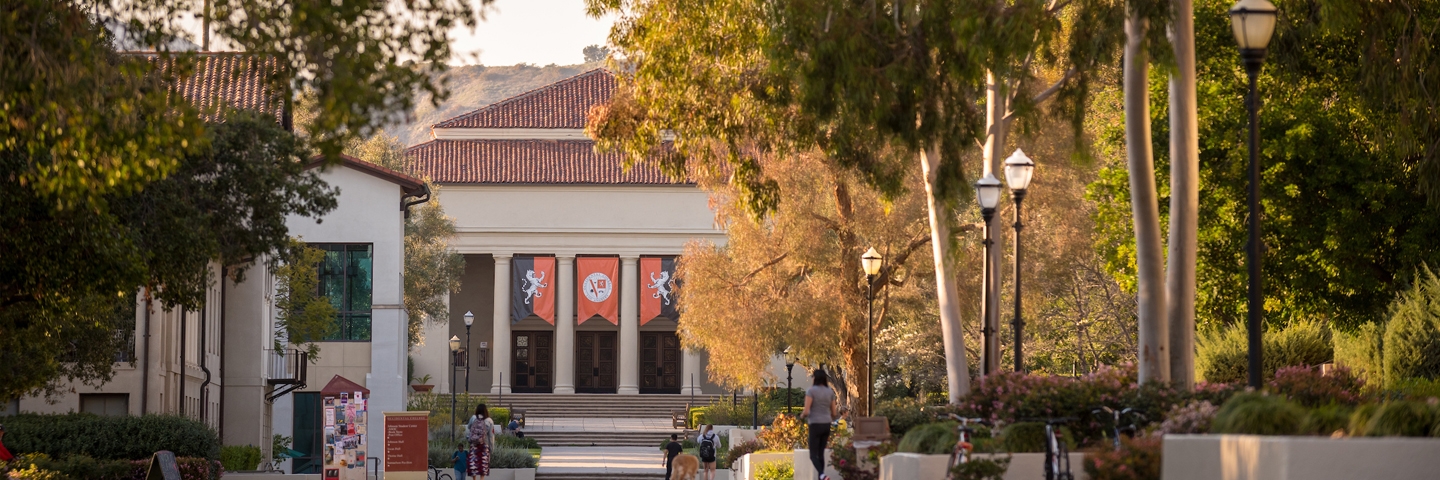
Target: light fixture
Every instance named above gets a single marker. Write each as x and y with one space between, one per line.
1253 23
1018 169
790 357
454 343
871 261
469 319
987 192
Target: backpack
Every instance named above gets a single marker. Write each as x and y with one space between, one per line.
707 446
479 430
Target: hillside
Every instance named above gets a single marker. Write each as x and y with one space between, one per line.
475 86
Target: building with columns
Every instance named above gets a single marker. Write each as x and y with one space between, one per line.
526 187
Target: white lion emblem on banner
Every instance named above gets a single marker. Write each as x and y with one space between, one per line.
661 286
533 285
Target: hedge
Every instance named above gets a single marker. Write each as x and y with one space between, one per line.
110 438
1412 337
1223 355
38 466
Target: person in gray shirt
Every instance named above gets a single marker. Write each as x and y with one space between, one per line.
820 409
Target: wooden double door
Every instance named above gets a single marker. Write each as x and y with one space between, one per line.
660 362
595 360
533 365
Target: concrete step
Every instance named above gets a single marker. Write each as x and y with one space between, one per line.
601 406
599 439
599 476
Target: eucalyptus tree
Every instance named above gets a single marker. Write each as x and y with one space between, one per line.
876 86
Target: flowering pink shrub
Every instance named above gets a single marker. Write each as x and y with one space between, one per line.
1307 386
1193 417
1137 459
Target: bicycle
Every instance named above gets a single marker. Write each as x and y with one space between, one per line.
1115 429
963 446
437 473
1057 454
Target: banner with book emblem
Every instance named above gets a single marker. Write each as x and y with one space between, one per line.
597 292
532 288
657 289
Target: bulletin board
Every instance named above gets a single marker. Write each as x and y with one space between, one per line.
346 422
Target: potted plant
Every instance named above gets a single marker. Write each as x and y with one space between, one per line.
421 384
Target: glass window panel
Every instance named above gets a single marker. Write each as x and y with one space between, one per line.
359 271
358 327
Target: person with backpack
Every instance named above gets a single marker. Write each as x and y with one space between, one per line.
481 433
821 407
709 441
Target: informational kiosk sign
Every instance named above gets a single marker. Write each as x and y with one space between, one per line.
346 429
406 445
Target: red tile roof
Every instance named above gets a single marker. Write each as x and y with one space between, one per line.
562 104
236 80
526 162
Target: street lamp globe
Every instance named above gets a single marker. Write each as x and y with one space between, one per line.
790 357
1253 22
871 261
1018 169
454 343
469 318
987 192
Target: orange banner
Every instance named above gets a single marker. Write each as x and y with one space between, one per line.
597 292
657 289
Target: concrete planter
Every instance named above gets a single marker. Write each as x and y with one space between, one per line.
751 462
1023 466
267 476
804 470
1246 457
511 474
740 435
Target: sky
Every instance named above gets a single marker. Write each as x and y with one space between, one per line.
539 32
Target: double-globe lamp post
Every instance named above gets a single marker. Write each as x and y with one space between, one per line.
1018 169
1253 22
469 320
871 261
987 192
454 357
789 383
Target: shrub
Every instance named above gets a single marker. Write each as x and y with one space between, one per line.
903 414
931 438
110 438
846 461
1360 419
1306 386
1362 351
777 470
439 407
511 458
238 458
742 449
1137 459
981 469
1258 414
1415 389
1401 419
785 434
1193 417
1412 336
441 453
1222 355
1325 420
506 440
1023 437
83 467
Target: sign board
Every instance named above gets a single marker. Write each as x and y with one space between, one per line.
406 442
346 422
163 467
871 429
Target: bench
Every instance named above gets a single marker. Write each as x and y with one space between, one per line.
677 418
518 415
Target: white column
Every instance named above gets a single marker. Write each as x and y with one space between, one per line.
691 369
629 327
565 326
500 361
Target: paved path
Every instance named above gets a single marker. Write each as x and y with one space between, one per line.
540 424
601 460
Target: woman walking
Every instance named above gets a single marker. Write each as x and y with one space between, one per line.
481 433
820 408
708 442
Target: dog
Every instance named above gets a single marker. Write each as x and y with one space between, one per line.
684 467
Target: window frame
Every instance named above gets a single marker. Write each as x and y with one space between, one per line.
345 318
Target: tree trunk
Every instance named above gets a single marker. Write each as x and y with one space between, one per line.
996 128
957 371
1154 357
1184 197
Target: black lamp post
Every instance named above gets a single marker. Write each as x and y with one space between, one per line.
987 193
1018 169
469 320
871 262
789 369
1253 22
454 357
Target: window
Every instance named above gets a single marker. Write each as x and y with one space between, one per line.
111 404
345 276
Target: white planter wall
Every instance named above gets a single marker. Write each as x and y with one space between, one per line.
751 462
1023 466
804 470
1255 457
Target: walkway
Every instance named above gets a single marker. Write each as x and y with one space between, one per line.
615 462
